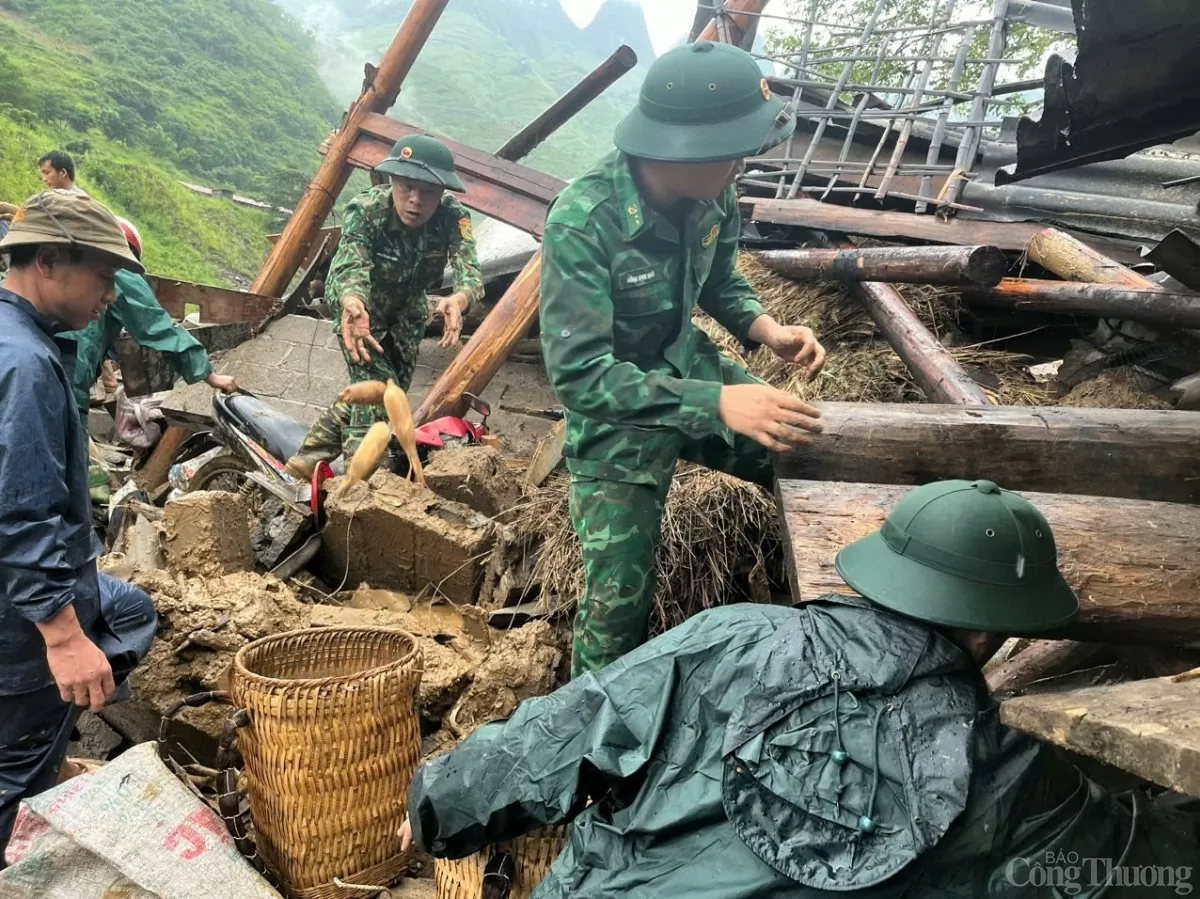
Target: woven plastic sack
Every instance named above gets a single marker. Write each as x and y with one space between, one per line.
128 829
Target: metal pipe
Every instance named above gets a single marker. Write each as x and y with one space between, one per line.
565 107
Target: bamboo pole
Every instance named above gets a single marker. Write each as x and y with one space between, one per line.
305 223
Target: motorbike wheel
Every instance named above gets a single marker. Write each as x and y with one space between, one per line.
221 473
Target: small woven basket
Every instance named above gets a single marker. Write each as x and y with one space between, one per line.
532 856
330 749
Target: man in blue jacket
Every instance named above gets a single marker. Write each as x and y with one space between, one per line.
69 636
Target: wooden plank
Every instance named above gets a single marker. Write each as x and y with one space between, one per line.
218 305
154 473
494 199
1135 454
819 216
1134 564
1148 727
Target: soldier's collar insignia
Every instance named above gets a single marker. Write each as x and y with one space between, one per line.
766 89
710 238
406 152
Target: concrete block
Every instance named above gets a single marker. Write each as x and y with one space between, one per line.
475 476
395 535
208 534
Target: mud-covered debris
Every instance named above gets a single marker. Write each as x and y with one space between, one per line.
522 663
208 534
475 476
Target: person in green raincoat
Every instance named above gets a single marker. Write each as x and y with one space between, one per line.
847 745
631 247
138 311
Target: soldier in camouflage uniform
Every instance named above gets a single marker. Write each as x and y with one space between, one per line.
630 248
396 241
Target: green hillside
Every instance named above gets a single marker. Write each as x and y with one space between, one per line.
145 93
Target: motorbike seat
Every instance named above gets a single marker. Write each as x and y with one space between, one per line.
278 434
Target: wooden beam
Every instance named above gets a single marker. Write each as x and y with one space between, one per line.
815 215
1073 260
512 193
1151 305
562 110
377 97
933 367
1134 564
978 267
1148 727
1128 453
218 305
1039 660
805 213
477 362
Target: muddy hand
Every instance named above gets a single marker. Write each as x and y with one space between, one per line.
776 419
356 331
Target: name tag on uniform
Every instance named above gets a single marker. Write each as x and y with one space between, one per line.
639 277
390 257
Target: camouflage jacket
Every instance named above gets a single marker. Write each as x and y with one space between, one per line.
390 266
619 283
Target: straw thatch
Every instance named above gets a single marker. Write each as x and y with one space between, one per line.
720 537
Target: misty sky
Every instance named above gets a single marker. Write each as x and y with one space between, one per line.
667 20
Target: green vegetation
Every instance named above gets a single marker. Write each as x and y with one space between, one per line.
186 235
146 93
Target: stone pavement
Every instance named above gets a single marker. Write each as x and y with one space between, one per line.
296 365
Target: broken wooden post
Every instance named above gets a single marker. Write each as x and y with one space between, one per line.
1146 727
1040 660
1134 564
1137 454
477 362
1153 305
934 369
565 107
979 267
1073 260
305 223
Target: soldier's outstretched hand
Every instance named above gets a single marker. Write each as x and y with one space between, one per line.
356 331
450 309
776 419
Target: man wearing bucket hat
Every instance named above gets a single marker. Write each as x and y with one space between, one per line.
848 744
396 241
69 636
630 248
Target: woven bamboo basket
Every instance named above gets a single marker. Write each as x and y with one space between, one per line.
532 856
331 747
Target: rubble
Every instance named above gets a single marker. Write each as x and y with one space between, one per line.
475 476
208 534
202 623
395 535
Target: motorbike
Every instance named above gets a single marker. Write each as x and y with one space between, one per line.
247 450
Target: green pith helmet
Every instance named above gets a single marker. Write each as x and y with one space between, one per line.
963 554
704 102
422 158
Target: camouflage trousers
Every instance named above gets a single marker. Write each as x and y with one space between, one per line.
342 427
619 526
